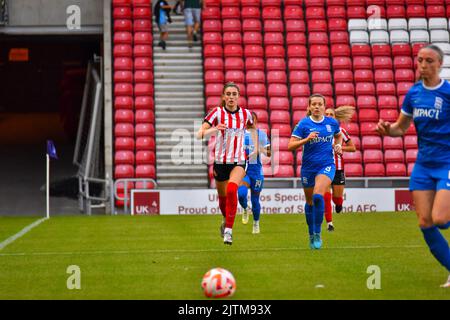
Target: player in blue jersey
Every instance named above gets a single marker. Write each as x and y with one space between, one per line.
255 176
427 103
316 133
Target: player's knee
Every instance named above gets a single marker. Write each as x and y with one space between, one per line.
425 222
439 219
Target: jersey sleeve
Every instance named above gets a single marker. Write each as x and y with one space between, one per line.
263 139
249 118
345 136
337 128
211 118
298 131
407 107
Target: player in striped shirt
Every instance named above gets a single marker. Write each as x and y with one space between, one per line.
228 122
341 114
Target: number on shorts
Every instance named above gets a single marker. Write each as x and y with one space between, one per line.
327 169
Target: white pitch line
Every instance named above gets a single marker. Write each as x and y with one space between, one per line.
20 233
199 250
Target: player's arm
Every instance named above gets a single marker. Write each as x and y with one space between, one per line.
338 142
296 142
349 146
266 150
397 129
251 127
206 130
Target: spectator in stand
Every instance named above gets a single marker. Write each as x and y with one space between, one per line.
162 16
192 14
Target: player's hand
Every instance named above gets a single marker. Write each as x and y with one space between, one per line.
338 148
383 127
313 135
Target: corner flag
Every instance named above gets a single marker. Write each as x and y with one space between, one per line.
51 150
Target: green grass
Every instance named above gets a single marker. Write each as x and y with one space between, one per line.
165 257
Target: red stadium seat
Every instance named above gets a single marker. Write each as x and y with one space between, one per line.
296 51
368 128
390 143
123 50
145 142
368 115
279 103
345 100
123 171
321 76
299 103
325 89
353 170
262 115
122 13
234 64
283 171
298 64
231 25
403 62
271 13
254 63
382 62
352 128
315 13
145 171
401 49
336 11
144 116
233 50
361 50
214 76
297 116
387 102
123 102
125 64
253 51
295 26
125 157
145 157
403 87
257 102
255 76
273 38
251 13
280 143
293 12
411 155
230 3
123 76
232 38
123 25
317 25
209 12
253 38
342 63
124 143
373 156
300 90
283 130
384 75
143 89
342 75
390 115
144 102
251 25
274 51
269 3
339 37
320 64
371 143
319 51
374 170
356 12
415 11
385 88
395 170
212 25
381 50
340 50
410 142
366 102
275 64
273 26
256 89
235 76
277 90
231 13
123 89
280 116
124 129
213 89
212 102
394 155
404 75
352 157
213 64
395 12
318 38
213 51
365 88
345 88
364 75
123 116
362 62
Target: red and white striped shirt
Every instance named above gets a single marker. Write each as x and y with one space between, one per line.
230 142
338 160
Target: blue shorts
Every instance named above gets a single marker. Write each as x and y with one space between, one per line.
429 178
255 181
191 15
309 176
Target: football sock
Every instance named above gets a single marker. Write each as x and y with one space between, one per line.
318 209
328 207
231 204
223 205
256 206
242 193
444 226
438 245
338 201
309 218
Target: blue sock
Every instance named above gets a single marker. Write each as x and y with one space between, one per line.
309 218
318 210
438 245
256 206
242 194
444 226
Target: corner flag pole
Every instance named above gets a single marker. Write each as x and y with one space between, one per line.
48 186
51 152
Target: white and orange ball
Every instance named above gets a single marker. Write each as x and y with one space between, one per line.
218 283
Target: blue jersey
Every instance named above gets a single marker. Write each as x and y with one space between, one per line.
317 152
430 109
255 168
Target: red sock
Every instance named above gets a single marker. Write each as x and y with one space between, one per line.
223 205
338 201
328 207
231 204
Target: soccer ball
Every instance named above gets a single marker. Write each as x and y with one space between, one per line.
218 283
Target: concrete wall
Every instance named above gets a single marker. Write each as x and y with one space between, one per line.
53 13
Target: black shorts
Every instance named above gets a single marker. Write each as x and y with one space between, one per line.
339 178
222 170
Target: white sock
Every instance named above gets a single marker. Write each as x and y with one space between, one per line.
228 230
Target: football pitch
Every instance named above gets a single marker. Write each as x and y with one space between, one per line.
165 257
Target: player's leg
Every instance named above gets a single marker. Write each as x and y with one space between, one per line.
256 187
309 214
242 194
236 176
338 190
221 187
322 184
328 210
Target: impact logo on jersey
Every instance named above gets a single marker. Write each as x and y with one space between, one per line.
426 113
321 139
